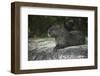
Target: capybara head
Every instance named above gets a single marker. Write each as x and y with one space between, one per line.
56 30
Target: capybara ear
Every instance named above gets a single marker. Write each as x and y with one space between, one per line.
49 26
68 26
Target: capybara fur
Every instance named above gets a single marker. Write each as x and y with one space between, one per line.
65 38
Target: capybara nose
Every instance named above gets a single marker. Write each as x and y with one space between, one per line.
48 33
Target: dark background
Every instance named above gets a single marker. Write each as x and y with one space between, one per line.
38 24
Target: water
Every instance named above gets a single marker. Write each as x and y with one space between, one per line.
43 49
